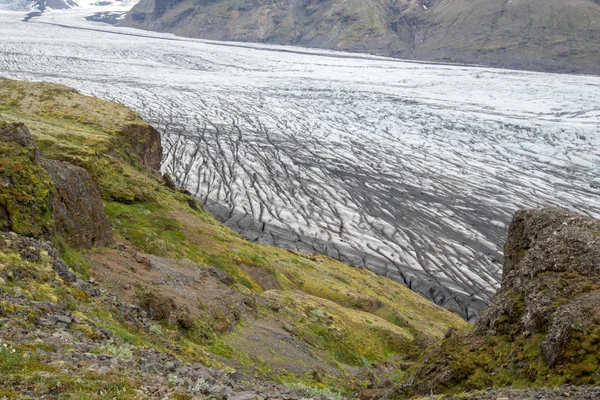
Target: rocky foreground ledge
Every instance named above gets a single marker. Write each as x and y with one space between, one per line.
543 326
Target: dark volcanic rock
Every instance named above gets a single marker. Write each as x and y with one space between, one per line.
552 263
157 306
145 141
17 133
77 206
584 392
543 325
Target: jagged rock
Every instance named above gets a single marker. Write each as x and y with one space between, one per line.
184 318
547 311
62 269
60 339
550 279
169 182
17 133
552 258
63 318
245 396
222 276
67 191
144 260
5 224
146 144
77 206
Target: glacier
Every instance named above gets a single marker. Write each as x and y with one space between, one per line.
412 170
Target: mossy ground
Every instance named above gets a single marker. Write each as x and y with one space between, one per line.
350 316
478 363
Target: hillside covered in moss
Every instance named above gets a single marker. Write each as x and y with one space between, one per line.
115 284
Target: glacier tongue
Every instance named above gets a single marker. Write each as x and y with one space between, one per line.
411 170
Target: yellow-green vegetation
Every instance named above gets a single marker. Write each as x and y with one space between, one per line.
24 190
470 363
20 365
349 316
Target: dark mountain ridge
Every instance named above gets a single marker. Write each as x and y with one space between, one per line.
540 35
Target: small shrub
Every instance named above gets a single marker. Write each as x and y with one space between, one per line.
156 329
118 350
173 380
204 387
312 391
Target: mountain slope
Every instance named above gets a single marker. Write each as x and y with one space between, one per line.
540 35
154 283
528 34
350 25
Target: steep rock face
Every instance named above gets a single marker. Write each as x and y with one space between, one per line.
548 35
542 327
145 141
77 207
551 280
41 197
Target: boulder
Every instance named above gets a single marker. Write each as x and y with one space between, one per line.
77 206
542 326
17 133
145 141
156 305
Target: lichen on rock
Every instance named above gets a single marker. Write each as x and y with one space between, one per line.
145 141
77 207
542 327
43 198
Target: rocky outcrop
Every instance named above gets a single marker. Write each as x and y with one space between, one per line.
548 35
17 133
543 325
77 207
145 141
551 280
41 197
156 305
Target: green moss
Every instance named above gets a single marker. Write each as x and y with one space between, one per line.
24 191
244 281
74 258
146 226
341 279
374 318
